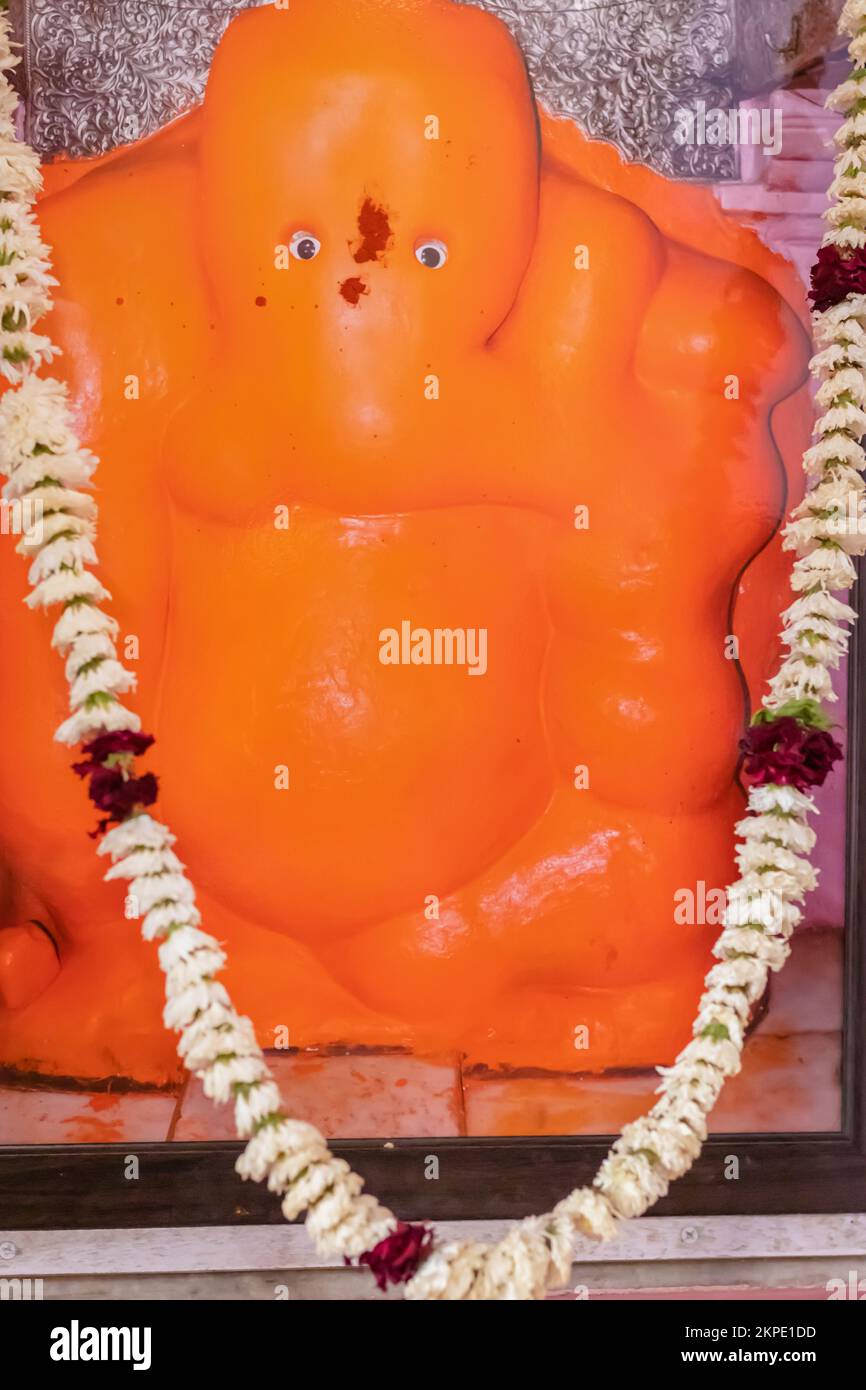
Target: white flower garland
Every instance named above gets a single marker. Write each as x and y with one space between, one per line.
48 468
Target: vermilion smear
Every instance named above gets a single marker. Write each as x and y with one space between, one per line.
352 289
375 232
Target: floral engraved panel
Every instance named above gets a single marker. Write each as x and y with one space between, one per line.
104 72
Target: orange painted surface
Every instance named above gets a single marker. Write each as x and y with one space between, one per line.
262 383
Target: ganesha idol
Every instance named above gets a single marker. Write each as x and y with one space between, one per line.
383 364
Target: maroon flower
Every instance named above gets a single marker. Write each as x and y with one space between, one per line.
121 741
820 752
395 1259
112 788
785 752
118 796
110 791
835 275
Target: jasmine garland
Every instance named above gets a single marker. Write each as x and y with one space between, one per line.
46 465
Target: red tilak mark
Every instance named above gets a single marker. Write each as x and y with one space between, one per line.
352 289
375 232
260 301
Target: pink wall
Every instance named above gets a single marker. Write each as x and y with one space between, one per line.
783 197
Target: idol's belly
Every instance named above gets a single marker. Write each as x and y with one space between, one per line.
350 715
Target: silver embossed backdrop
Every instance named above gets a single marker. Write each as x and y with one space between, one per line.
98 73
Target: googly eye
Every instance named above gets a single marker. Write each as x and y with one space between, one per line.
304 246
432 254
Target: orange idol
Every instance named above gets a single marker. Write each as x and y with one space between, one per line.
442 461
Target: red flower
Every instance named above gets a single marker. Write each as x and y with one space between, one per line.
112 788
121 741
110 791
395 1259
835 276
787 753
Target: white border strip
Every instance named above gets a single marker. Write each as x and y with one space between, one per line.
187 1249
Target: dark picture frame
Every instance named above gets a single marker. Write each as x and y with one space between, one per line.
87 1186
